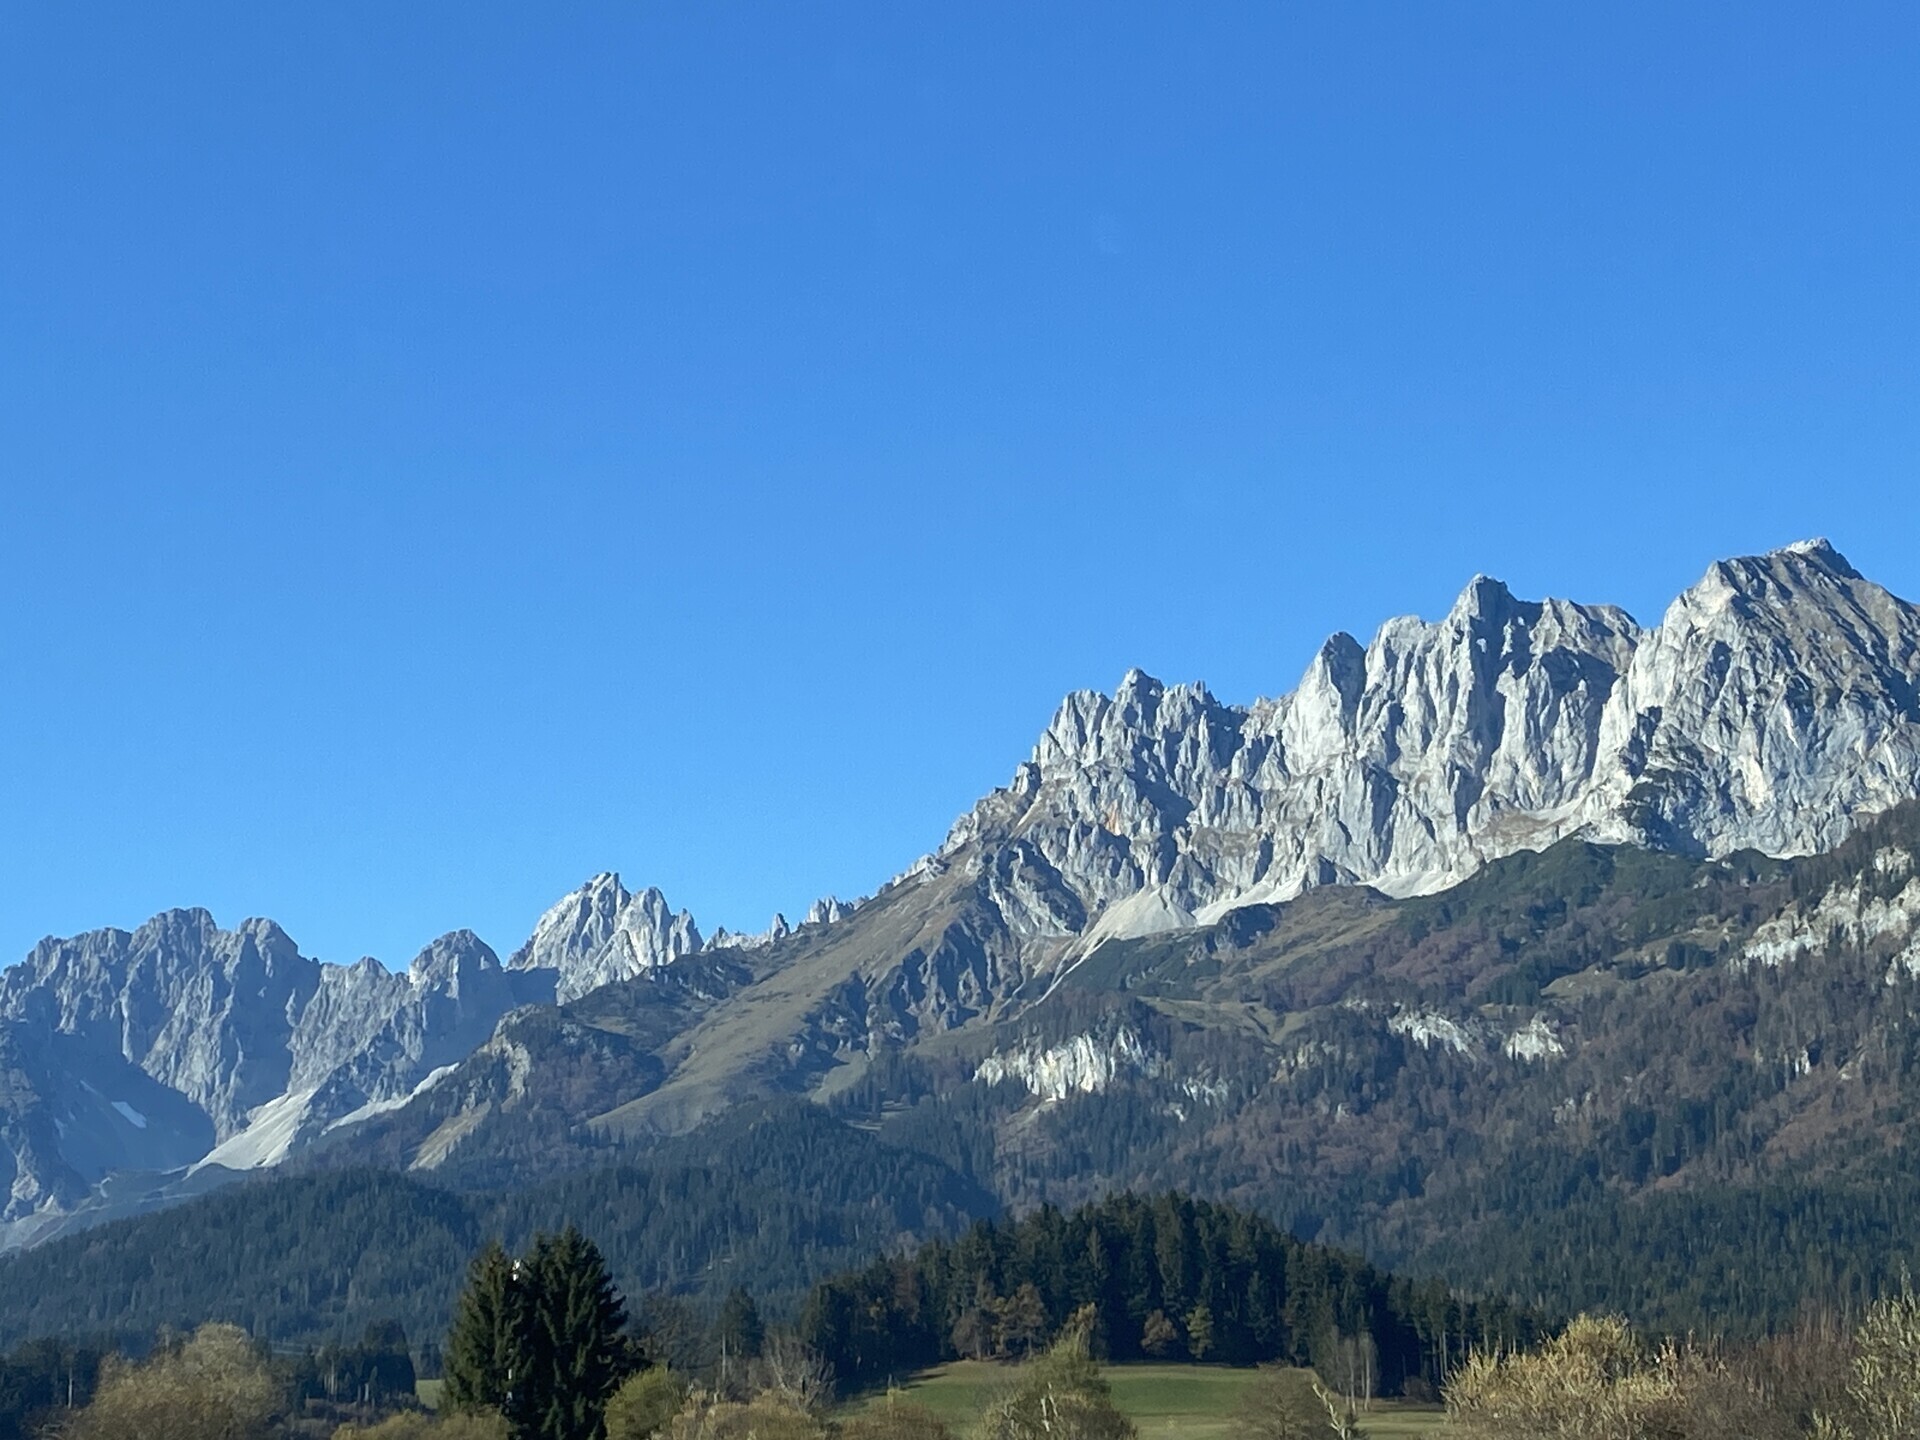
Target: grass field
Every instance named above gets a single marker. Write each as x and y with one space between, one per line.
1167 1402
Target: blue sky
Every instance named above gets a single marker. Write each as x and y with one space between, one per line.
447 449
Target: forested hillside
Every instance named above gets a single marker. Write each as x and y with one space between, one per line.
768 1198
1595 1077
1597 1058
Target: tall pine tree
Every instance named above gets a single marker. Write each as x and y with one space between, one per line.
539 1340
486 1349
577 1353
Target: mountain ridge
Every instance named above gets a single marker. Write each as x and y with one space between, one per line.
1772 708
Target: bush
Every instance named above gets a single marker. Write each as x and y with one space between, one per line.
895 1419
645 1404
1060 1396
1596 1381
793 1373
214 1387
1591 1380
415 1425
1281 1404
766 1417
1883 1396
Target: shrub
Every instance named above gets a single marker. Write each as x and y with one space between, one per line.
895 1419
1060 1396
1281 1404
415 1425
1883 1395
1596 1381
645 1404
1593 1381
766 1417
214 1387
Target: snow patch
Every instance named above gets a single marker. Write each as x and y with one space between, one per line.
132 1116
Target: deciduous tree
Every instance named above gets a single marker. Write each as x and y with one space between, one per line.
1060 1396
216 1386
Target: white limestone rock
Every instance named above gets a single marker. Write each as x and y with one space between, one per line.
829 910
1772 707
181 1044
1534 1041
1083 1065
724 939
601 933
1428 1028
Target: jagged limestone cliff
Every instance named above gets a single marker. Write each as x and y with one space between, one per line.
1772 708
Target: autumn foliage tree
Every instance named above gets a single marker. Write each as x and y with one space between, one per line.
215 1386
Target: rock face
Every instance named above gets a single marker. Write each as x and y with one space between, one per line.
206 1012
601 933
1085 1065
1773 706
180 1044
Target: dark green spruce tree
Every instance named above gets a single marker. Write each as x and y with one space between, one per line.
578 1354
486 1348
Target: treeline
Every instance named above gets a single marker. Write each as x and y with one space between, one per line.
774 1197
1167 1278
1717 1260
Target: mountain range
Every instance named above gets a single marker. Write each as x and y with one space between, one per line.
1480 895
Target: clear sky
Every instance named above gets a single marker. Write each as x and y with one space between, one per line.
448 449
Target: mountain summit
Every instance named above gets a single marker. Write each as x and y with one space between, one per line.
1772 706
1772 709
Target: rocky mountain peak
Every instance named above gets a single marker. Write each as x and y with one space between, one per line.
1773 702
180 1043
829 910
603 932
777 929
1807 572
1821 551
1484 598
456 957
1772 707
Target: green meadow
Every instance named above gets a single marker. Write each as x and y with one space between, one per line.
1167 1402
